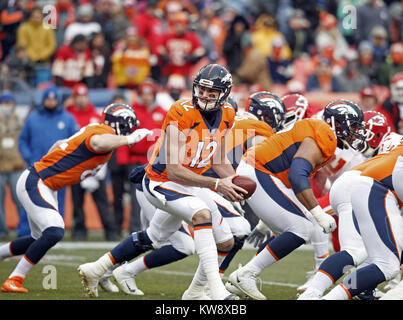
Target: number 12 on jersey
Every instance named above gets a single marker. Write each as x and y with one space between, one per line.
211 147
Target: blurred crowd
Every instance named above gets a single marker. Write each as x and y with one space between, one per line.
146 53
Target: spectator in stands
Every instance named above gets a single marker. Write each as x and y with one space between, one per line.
176 85
379 41
100 55
396 21
264 35
367 63
20 66
85 24
66 14
10 18
131 60
368 99
216 27
392 65
150 26
370 14
85 113
180 49
299 36
73 63
329 33
11 162
45 125
151 116
119 22
39 41
238 39
392 107
352 79
281 70
322 79
207 40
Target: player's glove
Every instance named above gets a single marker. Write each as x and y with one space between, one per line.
258 234
238 207
326 221
90 184
138 135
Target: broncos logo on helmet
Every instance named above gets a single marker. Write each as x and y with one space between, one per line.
347 120
121 118
269 108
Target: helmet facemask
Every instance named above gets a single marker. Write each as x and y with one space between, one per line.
208 104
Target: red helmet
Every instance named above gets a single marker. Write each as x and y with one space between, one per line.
376 127
396 87
295 105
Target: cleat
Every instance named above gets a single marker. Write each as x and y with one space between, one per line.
231 288
245 280
126 282
310 294
89 279
195 295
14 285
309 276
374 294
107 285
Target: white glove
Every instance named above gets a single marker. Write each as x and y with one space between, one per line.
326 221
90 184
138 135
258 234
237 206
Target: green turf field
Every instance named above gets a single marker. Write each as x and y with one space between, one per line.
279 282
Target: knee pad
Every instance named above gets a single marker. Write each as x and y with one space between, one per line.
53 235
358 254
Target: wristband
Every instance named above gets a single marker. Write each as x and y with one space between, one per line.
216 184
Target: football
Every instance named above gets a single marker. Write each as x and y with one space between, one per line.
246 183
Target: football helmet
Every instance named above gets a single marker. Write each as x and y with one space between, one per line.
121 118
233 103
347 120
267 107
376 127
295 108
396 88
215 77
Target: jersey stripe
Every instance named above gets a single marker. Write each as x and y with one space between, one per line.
283 161
69 161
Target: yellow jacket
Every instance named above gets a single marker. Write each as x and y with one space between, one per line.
263 37
40 42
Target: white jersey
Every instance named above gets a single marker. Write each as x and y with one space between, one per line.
345 159
389 142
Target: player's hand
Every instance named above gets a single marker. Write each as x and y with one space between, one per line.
229 190
90 184
258 234
238 207
138 135
326 221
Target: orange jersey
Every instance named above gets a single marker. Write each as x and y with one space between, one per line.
202 139
238 141
275 154
74 159
380 167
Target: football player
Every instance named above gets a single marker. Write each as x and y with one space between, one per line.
281 166
191 142
254 125
379 184
68 162
352 251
